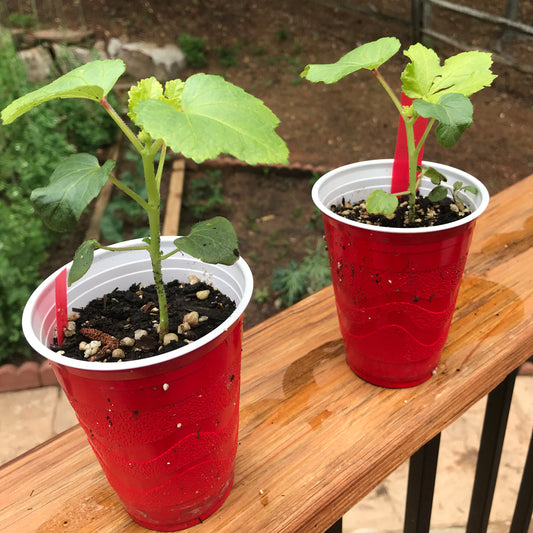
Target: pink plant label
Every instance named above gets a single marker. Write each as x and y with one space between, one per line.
61 304
400 168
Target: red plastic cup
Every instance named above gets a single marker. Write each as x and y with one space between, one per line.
395 289
164 429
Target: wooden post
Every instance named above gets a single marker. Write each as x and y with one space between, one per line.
173 208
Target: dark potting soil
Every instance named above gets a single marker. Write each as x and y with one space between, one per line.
127 320
428 213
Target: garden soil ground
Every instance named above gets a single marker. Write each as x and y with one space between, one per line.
324 126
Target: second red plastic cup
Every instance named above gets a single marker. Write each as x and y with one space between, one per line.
395 290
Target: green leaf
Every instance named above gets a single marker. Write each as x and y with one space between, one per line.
83 259
438 193
454 113
174 92
470 188
381 202
369 56
217 117
143 90
75 182
464 73
433 174
418 76
211 241
92 80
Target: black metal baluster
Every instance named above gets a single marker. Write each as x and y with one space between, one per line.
490 450
336 527
420 487
524 502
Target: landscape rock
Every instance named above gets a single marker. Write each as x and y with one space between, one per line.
69 57
39 63
147 59
62 35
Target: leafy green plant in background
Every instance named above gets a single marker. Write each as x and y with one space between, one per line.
29 150
22 20
204 193
194 49
302 279
199 118
227 54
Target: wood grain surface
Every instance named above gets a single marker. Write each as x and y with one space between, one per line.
314 438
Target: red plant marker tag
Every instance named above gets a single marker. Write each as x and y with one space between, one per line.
400 168
60 286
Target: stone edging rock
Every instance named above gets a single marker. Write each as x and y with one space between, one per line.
29 375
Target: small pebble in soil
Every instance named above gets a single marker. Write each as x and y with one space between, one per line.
170 337
127 341
139 334
203 295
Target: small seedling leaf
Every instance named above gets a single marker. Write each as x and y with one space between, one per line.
457 185
470 188
213 241
83 259
434 175
454 113
381 202
369 56
75 182
438 193
93 81
216 117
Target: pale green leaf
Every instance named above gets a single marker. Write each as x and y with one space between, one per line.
92 81
212 241
464 73
75 182
454 113
217 117
83 259
144 90
174 92
418 76
369 56
381 202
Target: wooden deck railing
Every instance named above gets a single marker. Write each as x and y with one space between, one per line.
314 438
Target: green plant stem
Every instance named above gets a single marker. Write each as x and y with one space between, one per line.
412 149
413 160
120 249
154 243
131 193
390 92
166 256
121 124
152 207
424 136
161 165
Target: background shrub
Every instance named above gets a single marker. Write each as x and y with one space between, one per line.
31 147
